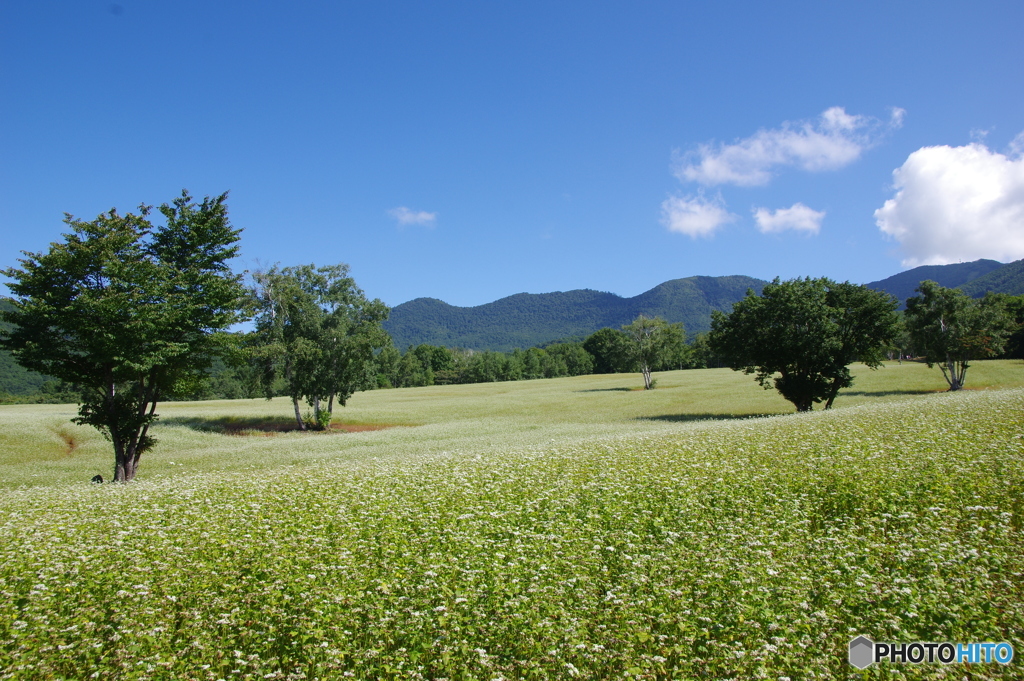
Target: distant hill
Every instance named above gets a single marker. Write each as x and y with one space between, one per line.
1007 279
529 319
902 285
973 278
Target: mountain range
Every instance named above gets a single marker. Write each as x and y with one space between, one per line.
528 319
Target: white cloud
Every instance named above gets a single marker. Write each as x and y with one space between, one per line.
1017 146
797 217
695 215
896 117
404 216
957 204
834 140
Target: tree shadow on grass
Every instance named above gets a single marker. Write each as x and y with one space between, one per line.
687 418
885 393
261 425
608 390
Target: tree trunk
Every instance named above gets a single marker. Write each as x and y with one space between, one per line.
120 463
954 378
832 393
126 461
646 371
298 414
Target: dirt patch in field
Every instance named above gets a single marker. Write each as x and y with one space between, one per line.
68 440
267 426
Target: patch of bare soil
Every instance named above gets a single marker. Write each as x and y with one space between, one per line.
69 441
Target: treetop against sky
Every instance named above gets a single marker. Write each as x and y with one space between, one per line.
468 151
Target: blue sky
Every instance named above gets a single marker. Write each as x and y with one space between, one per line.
472 150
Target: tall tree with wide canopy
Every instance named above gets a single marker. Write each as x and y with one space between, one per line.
951 329
129 312
800 336
317 327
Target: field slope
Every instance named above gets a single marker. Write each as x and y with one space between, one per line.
545 529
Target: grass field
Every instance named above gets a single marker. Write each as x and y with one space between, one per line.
565 528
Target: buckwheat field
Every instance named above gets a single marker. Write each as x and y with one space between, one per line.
564 528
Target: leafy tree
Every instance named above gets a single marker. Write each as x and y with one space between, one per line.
800 336
701 356
576 359
435 358
128 312
675 353
650 343
950 329
608 348
386 362
411 372
1014 307
318 329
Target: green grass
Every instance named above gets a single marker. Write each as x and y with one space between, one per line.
542 529
34 447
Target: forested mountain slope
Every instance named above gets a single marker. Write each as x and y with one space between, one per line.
529 319
960 275
1007 279
14 378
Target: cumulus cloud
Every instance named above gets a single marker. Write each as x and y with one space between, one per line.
797 217
832 141
404 216
957 204
695 215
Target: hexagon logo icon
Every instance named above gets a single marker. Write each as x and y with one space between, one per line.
862 652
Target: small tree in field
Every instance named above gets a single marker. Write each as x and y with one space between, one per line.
128 312
800 336
649 340
318 329
949 328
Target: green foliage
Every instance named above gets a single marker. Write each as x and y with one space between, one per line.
609 349
651 343
950 329
425 365
808 331
128 312
701 355
317 330
16 380
1014 306
573 356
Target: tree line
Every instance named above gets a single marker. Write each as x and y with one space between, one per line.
125 313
